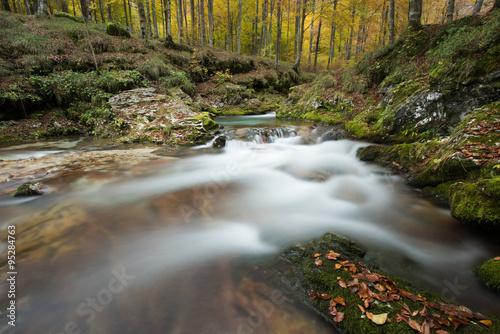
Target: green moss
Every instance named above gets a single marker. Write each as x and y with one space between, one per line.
115 29
476 203
32 188
68 16
208 123
489 274
303 273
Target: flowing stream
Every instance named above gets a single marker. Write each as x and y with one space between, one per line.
137 241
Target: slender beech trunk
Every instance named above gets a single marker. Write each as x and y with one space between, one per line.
125 11
296 64
351 35
143 29
193 22
256 30
155 20
240 9
130 17
27 6
277 48
287 27
110 14
270 36
297 29
450 11
203 24
331 51
229 28
148 20
42 8
392 10
184 8
210 5
180 29
168 17
263 33
311 36
317 41
101 10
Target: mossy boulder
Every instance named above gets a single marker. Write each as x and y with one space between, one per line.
33 188
489 273
207 122
321 278
68 16
476 203
114 29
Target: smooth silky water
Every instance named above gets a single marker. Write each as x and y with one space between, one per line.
137 242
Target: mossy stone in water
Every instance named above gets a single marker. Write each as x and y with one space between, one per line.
33 188
489 274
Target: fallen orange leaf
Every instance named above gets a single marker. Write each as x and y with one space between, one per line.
342 283
338 266
318 262
340 300
339 317
486 322
316 254
325 296
362 309
497 258
440 331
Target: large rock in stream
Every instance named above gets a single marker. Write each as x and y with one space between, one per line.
146 115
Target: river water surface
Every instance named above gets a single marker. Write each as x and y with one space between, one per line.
138 239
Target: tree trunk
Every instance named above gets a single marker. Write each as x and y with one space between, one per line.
27 5
203 24
155 20
143 29
450 11
148 20
168 17
311 36
270 36
6 5
317 42
101 10
414 13
392 10
193 22
210 5
84 8
130 17
349 43
277 48
287 27
125 11
256 30
331 49
229 32
108 10
296 64
178 9
42 8
297 29
263 33
240 9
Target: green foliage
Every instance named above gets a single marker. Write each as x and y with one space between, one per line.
153 68
177 79
95 118
352 82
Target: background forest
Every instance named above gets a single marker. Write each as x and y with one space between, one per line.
314 34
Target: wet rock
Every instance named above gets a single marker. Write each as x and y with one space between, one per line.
33 188
433 110
133 97
219 142
335 134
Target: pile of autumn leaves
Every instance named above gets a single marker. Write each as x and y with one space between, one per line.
363 280
479 152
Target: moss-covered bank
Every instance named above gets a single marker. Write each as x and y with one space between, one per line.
347 276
